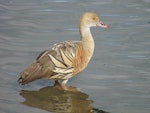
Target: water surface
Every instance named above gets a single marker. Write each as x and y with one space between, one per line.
117 79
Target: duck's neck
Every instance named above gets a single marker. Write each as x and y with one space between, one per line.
87 39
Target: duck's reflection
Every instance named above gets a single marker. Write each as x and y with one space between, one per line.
58 101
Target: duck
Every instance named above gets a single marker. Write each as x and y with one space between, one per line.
66 59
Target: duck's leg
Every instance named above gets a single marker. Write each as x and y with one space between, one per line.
63 84
57 83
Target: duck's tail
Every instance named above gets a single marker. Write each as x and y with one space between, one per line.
30 74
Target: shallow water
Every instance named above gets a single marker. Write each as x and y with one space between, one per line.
117 79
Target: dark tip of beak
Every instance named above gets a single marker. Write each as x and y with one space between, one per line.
100 24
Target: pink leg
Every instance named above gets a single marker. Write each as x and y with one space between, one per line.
63 84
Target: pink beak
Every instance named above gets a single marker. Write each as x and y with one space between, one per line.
101 24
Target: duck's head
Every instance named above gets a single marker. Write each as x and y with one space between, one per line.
90 19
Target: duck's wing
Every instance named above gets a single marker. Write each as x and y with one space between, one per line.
60 57
59 62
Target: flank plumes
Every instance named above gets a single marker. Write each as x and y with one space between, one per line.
65 59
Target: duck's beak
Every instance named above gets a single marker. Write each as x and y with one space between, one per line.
101 24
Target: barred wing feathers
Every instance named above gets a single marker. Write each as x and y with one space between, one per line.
63 60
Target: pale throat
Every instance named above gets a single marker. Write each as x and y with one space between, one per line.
87 40
86 35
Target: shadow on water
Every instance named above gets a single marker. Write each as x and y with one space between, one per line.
59 101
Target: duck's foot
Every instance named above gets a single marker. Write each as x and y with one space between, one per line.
60 86
63 86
